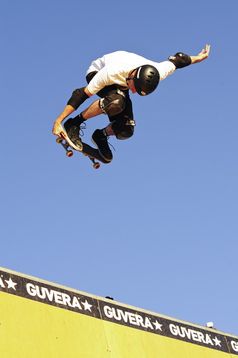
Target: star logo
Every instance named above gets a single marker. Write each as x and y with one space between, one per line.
11 284
87 306
217 342
157 325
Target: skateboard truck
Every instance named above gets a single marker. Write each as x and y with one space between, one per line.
70 153
66 146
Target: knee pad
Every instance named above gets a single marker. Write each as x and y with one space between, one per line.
113 104
123 129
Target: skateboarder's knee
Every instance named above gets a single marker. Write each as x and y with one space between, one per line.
125 134
123 131
113 104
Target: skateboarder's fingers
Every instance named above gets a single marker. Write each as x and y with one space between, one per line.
57 129
207 49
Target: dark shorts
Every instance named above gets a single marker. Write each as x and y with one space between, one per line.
120 122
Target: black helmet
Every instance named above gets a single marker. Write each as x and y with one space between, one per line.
146 79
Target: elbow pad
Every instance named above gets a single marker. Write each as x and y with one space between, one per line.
180 60
77 98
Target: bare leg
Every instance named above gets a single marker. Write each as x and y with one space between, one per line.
92 111
95 110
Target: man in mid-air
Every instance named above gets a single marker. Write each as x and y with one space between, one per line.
111 77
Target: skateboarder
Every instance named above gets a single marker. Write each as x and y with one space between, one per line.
111 77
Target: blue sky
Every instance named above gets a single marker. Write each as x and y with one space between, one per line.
157 228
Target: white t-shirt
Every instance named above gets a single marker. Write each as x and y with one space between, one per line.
115 67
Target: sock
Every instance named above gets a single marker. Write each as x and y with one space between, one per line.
80 119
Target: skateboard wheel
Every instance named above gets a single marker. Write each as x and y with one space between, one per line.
96 165
59 140
69 153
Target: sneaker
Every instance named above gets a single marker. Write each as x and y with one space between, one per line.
72 128
100 140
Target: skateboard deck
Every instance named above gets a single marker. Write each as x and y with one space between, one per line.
90 152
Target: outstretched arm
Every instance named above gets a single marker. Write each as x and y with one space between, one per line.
181 60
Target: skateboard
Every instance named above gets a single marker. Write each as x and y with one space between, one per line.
90 152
